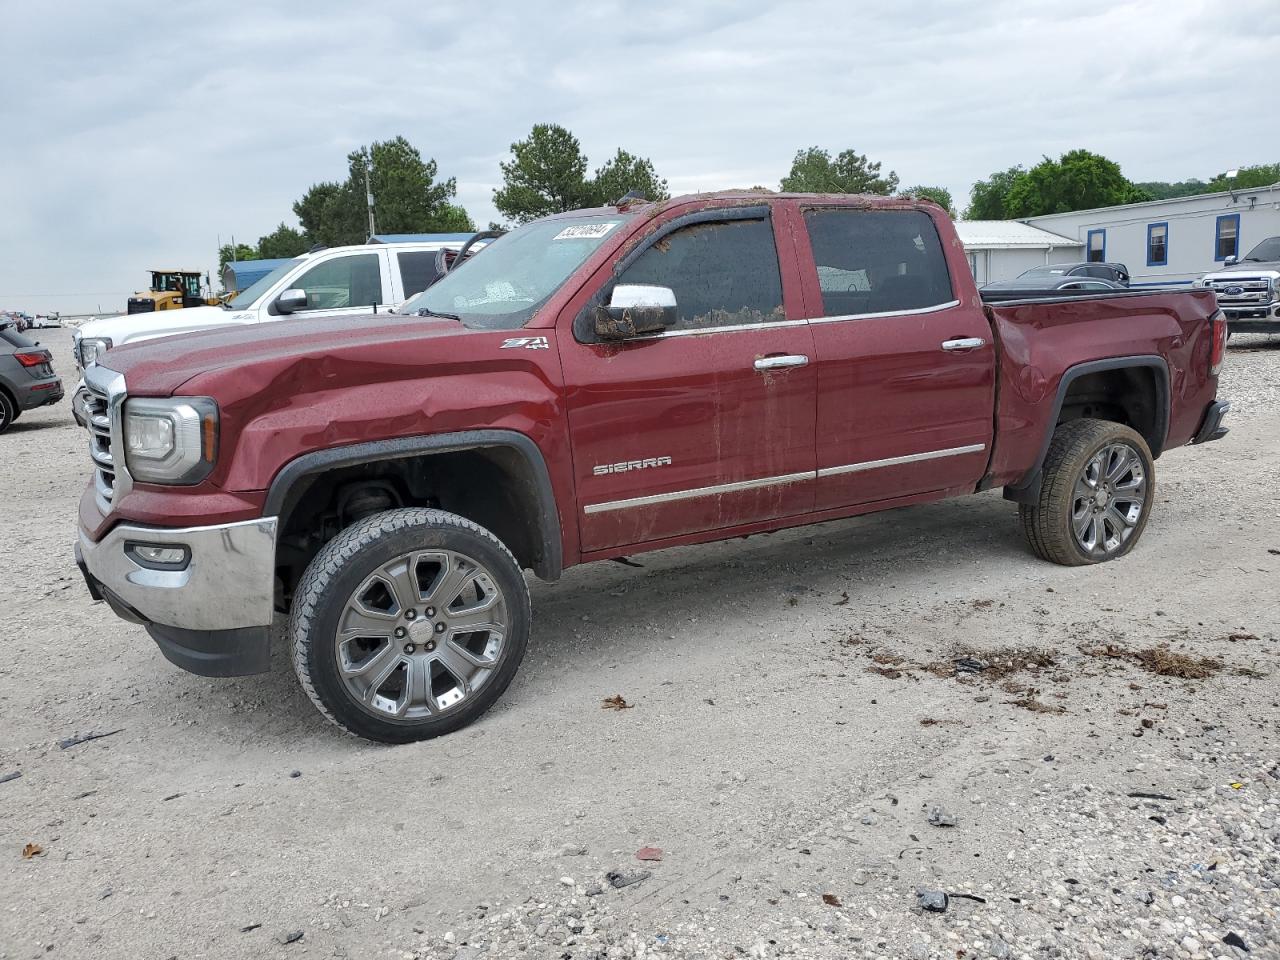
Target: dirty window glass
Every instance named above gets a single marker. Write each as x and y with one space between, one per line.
342 282
877 261
723 273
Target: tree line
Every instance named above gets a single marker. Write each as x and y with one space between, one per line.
548 172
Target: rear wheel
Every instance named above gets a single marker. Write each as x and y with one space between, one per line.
408 625
1095 494
8 411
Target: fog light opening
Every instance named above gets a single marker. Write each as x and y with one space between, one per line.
159 556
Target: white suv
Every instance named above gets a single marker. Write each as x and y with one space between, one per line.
337 280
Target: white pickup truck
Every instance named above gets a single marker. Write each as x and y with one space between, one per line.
335 280
1249 290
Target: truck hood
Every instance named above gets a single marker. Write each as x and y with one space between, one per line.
159 367
1247 267
132 327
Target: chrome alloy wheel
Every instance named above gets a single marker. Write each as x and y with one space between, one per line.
1109 497
421 634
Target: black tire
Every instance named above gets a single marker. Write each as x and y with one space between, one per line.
347 562
1048 523
8 412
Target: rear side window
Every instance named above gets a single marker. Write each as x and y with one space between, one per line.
417 271
724 274
11 336
877 261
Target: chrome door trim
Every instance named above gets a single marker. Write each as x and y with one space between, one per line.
896 461
736 328
779 480
698 492
888 313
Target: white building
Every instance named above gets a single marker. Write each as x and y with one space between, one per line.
1003 249
1171 241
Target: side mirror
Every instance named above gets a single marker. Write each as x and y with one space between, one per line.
291 300
636 310
1230 260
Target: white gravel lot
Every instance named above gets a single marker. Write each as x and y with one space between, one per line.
797 715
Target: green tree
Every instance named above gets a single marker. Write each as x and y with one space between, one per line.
987 197
241 251
547 173
407 197
1263 175
939 195
1163 190
283 241
1078 180
623 173
814 171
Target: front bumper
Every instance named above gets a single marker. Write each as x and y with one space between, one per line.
213 615
1252 317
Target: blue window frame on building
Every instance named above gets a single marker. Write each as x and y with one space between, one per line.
1096 246
1158 244
1226 237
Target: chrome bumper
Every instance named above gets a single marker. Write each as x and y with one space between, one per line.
227 583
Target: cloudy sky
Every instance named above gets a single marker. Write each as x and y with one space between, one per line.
135 135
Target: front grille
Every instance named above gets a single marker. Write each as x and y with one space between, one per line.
1245 292
97 412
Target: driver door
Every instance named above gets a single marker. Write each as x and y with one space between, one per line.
709 424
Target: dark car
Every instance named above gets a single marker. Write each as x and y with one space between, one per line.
1115 272
27 379
1032 282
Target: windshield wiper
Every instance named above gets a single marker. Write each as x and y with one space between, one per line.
424 312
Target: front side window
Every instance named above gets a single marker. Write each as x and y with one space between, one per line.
504 285
877 261
353 281
1227 239
723 273
1097 246
1157 244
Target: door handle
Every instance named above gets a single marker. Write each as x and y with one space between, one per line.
964 343
779 363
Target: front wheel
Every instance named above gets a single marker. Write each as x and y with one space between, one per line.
1095 494
409 624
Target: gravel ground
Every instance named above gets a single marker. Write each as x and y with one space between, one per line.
822 724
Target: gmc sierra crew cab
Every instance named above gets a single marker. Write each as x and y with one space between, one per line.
597 384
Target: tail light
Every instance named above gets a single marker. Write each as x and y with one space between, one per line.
1219 348
33 359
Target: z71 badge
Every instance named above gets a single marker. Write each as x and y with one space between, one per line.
529 343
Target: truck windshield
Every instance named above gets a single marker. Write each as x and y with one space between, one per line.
1265 252
249 294
503 286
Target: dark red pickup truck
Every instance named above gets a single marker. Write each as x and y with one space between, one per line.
596 384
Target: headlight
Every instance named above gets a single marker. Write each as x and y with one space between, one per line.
170 441
93 347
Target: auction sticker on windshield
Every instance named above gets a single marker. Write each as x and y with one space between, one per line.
585 231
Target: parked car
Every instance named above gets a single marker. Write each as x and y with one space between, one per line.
1249 290
27 379
598 384
347 281
1115 272
1038 283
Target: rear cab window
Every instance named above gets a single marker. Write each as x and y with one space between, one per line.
877 261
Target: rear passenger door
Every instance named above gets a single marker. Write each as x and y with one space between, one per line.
906 372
